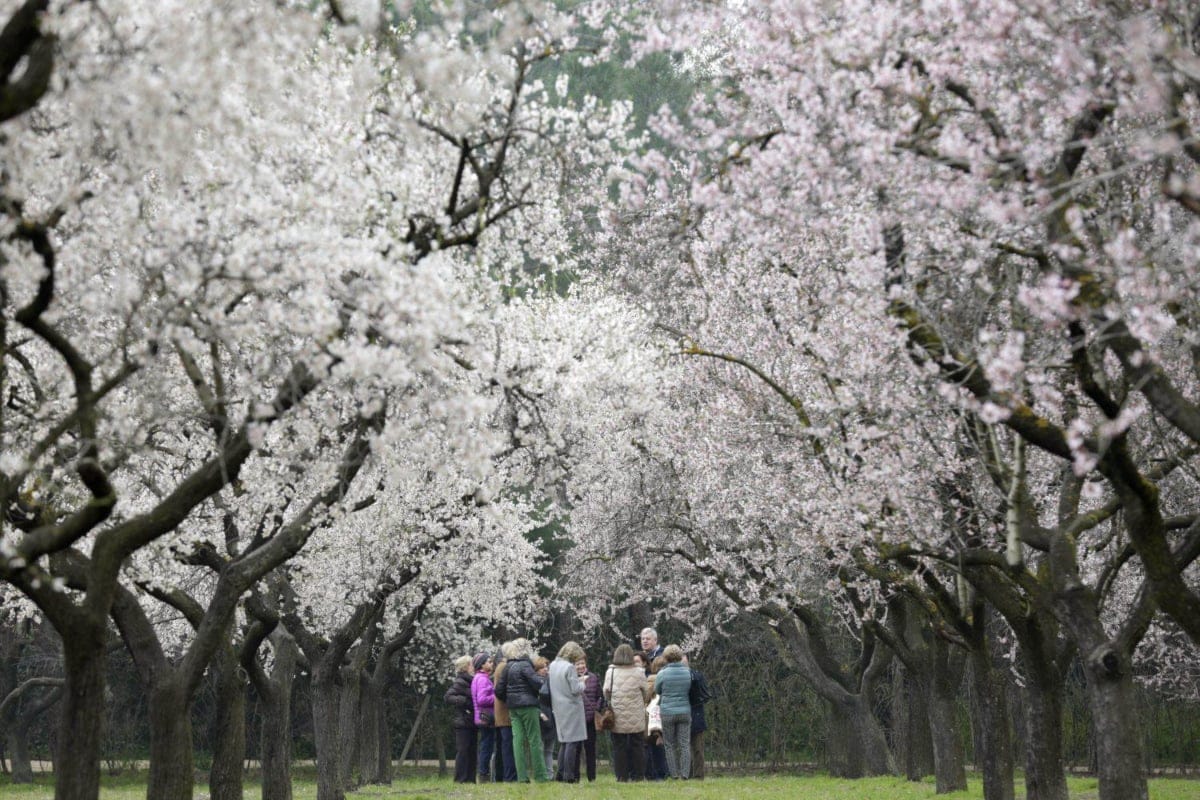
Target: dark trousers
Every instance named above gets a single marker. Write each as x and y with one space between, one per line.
506 765
697 744
629 756
568 761
487 744
464 755
588 751
656 761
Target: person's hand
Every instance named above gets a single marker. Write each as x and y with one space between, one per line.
544 717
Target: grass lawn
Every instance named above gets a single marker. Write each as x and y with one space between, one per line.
418 786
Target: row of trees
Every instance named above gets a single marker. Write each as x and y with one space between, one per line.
929 270
788 730
885 335
279 389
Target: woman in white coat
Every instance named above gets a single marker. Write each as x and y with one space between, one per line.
566 698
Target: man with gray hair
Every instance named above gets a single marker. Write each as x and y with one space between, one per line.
650 645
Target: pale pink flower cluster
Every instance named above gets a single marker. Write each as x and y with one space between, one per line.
1052 300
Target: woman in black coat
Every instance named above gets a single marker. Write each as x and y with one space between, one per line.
458 697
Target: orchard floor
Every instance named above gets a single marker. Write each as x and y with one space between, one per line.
808 787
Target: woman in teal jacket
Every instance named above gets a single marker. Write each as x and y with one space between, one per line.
672 685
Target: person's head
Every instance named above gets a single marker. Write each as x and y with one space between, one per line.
482 663
571 651
657 664
540 665
507 651
623 655
521 648
673 653
581 666
462 664
649 639
639 660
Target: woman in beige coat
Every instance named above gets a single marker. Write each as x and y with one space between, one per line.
626 691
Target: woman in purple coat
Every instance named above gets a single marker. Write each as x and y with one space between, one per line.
592 697
485 712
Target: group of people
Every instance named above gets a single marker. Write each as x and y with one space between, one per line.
511 714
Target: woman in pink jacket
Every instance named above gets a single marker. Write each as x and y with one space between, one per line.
485 713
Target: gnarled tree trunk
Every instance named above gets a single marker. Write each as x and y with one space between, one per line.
374 747
171 764
275 693
77 770
994 754
912 741
349 722
229 728
857 745
1118 726
1045 773
326 702
943 682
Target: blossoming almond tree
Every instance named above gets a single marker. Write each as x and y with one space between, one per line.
194 264
1031 167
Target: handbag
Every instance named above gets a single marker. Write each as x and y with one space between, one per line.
606 718
653 717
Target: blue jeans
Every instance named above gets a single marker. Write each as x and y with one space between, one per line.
506 765
487 744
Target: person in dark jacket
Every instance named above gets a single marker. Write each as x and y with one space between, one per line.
518 687
656 753
651 649
593 696
698 695
458 697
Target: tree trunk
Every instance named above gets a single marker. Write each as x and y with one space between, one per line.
1117 726
77 771
857 744
171 766
349 725
229 728
371 766
18 754
326 696
943 686
384 745
994 755
1045 776
275 747
913 743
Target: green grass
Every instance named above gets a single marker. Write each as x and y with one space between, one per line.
817 787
